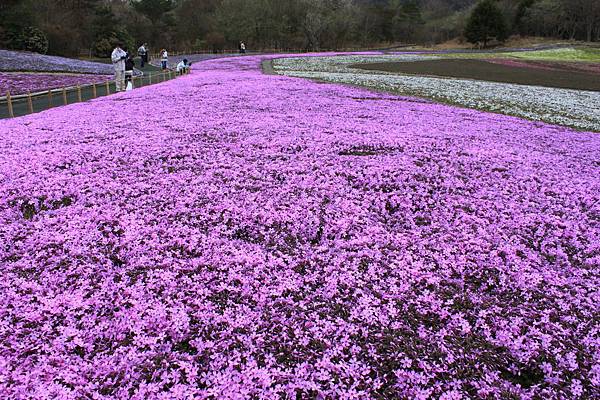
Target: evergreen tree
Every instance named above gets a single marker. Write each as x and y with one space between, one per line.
520 23
108 31
486 22
153 9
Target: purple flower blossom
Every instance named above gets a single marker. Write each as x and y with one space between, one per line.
25 61
548 65
19 83
231 234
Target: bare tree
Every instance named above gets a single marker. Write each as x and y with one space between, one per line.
585 14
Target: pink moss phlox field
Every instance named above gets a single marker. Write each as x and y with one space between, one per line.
237 235
192 58
520 64
197 58
19 83
548 65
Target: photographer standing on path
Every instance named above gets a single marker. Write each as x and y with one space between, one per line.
164 59
118 59
143 53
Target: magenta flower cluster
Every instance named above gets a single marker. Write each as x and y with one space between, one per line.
521 64
192 58
20 83
237 235
548 65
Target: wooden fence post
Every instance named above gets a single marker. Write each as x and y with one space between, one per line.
79 94
49 98
64 95
10 105
29 103
94 92
107 88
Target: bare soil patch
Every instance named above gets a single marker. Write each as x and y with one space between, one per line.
559 76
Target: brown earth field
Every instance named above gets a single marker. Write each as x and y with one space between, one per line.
493 72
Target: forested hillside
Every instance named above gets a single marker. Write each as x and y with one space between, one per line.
71 27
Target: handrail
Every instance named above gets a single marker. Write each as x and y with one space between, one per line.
75 91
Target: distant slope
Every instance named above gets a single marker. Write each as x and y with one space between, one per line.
25 61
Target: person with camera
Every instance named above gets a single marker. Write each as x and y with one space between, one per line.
143 53
164 59
118 58
183 67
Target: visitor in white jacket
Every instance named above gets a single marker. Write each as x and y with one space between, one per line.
118 59
183 67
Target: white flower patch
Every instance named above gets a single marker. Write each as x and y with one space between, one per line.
575 108
340 63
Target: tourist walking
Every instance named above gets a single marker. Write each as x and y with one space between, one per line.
118 58
143 53
164 59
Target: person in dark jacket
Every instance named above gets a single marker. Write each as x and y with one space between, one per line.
129 66
143 53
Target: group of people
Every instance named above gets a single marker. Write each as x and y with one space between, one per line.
124 65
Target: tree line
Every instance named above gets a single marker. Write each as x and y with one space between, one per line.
74 27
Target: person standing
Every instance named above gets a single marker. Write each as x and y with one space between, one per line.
118 58
129 66
143 53
164 59
243 48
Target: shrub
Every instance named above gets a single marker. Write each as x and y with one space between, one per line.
28 38
104 44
